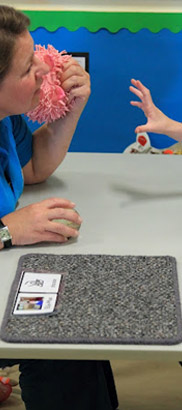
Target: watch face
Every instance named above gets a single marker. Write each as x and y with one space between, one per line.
4 234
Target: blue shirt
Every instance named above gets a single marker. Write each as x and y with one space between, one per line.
15 153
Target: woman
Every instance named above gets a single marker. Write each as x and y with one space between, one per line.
29 159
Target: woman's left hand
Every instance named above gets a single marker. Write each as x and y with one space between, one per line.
76 81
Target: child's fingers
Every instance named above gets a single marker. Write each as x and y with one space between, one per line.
142 128
136 104
144 90
137 92
138 84
139 88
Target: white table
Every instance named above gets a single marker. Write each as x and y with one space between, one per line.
131 205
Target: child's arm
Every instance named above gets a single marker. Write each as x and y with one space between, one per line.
157 121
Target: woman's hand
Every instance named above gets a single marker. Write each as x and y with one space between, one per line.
76 81
156 121
34 223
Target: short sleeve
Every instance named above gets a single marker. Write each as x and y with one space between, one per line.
23 139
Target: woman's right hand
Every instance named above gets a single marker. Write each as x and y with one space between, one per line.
34 223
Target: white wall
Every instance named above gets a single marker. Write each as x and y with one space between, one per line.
99 5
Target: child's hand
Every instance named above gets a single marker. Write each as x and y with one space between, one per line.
156 120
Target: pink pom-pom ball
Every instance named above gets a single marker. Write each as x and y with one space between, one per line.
53 103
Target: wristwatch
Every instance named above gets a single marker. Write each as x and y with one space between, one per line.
5 236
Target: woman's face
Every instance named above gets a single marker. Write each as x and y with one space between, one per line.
20 89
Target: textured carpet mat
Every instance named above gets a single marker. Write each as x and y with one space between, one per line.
102 299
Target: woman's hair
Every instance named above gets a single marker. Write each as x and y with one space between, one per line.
12 24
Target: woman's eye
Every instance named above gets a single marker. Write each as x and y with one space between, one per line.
29 68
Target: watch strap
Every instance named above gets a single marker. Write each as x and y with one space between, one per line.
7 243
1 224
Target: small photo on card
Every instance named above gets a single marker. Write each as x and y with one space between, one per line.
34 304
40 282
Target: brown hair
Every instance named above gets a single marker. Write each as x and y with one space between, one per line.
12 24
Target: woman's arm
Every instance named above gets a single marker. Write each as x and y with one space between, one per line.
157 121
51 141
35 223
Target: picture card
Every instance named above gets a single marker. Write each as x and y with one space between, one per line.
34 303
40 282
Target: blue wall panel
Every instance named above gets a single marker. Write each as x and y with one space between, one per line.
108 121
